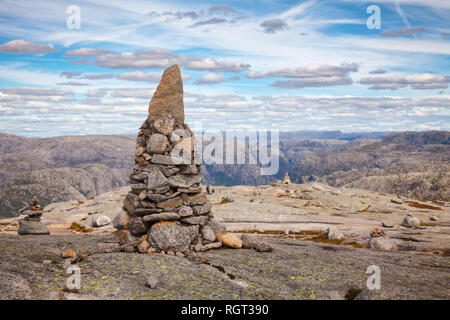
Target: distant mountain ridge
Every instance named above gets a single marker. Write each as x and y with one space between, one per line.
78 167
414 164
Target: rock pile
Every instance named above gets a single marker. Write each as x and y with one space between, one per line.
286 179
32 224
379 240
166 210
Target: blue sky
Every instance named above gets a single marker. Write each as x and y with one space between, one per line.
287 65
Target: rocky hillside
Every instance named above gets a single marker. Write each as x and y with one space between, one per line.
61 168
413 164
79 167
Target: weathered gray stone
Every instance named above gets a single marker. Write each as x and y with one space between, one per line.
168 97
252 242
146 211
208 234
131 202
164 125
190 190
156 179
121 221
381 243
216 226
171 203
166 160
139 177
396 201
142 195
140 141
190 169
334 234
32 227
164 216
200 220
387 224
171 236
138 187
198 199
411 221
139 151
202 209
205 247
181 181
160 197
185 211
157 143
137 226
143 246
100 220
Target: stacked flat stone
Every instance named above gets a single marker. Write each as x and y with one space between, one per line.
32 224
166 207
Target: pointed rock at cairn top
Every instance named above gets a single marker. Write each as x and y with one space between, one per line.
168 97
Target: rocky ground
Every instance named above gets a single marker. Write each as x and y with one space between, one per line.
304 264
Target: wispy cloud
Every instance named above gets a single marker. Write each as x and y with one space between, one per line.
415 81
86 52
273 25
161 58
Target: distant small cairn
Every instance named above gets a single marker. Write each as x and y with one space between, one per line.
286 179
32 224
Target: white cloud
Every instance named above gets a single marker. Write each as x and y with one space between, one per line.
86 52
140 76
22 47
415 81
210 78
161 58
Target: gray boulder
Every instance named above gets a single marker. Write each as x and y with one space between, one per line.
410 221
181 181
171 236
199 220
156 179
164 125
32 227
208 234
100 220
164 216
252 242
381 243
333 234
157 143
216 226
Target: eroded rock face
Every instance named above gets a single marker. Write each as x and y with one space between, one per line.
171 236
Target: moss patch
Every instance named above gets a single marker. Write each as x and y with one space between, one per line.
75 226
422 205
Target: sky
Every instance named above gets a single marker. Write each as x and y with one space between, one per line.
91 67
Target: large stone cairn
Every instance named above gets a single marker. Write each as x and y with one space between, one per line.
32 224
166 210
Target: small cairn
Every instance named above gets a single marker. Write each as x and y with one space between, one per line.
32 224
379 240
166 210
286 179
